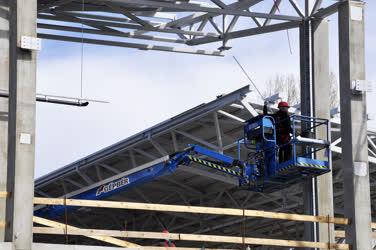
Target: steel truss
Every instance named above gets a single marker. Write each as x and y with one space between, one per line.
186 23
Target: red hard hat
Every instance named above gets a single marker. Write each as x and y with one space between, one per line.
283 104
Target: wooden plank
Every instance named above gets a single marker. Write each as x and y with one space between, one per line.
296 217
190 209
342 234
4 194
107 239
191 237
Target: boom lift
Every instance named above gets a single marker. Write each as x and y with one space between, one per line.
269 173
260 170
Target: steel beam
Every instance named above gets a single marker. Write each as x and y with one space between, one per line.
197 139
273 10
246 33
306 109
250 109
198 17
85 177
145 154
233 117
109 168
316 6
74 183
203 17
297 8
129 15
160 15
199 8
98 172
129 45
354 125
174 141
325 12
218 132
158 147
132 158
108 33
53 4
103 25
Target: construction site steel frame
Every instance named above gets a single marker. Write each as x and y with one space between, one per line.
182 27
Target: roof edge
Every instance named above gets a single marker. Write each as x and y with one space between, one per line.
189 115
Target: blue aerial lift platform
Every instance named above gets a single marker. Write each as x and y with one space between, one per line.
273 173
260 171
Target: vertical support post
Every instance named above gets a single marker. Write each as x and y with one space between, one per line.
321 99
305 68
306 109
12 104
218 132
354 125
21 124
4 83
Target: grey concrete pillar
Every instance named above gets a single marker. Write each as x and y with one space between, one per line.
321 109
354 125
21 122
4 82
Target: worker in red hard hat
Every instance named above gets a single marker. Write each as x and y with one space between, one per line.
283 130
167 242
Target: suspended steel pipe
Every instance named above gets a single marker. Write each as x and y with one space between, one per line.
55 100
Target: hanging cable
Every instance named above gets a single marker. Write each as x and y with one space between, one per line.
287 31
82 50
249 78
288 39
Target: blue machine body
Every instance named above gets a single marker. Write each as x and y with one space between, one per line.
110 188
260 135
260 171
217 161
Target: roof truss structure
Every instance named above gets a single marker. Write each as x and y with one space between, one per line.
217 124
169 25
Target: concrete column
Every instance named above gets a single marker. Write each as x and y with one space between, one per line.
21 121
4 82
354 125
321 100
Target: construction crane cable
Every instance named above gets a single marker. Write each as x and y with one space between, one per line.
289 41
249 78
82 50
287 31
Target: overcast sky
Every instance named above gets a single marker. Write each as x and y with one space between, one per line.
146 87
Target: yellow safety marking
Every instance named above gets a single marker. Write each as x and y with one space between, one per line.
285 169
312 165
212 165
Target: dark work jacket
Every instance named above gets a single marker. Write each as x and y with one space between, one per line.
282 124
